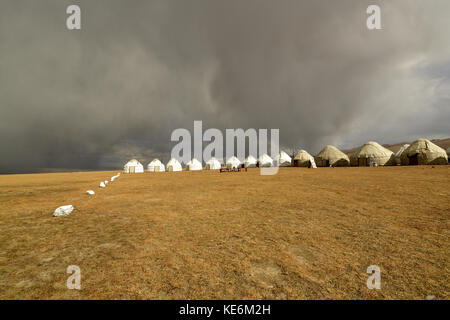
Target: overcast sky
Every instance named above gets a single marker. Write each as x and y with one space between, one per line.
137 70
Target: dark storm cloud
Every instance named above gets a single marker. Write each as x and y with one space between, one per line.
137 70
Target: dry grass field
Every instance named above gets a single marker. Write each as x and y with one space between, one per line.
301 234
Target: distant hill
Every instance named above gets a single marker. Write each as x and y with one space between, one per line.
443 143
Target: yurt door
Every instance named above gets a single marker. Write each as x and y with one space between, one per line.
362 162
157 169
131 169
414 160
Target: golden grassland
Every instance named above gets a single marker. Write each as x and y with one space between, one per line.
300 234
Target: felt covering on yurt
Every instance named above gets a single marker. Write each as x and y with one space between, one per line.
301 159
173 165
194 165
156 166
233 163
423 151
372 150
331 156
213 164
133 166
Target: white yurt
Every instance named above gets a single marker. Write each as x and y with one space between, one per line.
133 166
398 154
194 165
233 163
283 159
213 164
265 161
173 165
250 162
156 166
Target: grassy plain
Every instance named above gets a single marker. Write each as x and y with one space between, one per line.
300 234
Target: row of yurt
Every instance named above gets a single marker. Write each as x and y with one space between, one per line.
134 166
421 151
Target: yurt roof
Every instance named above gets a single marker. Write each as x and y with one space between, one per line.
194 161
284 155
155 162
264 158
372 149
133 161
331 152
233 159
423 145
172 161
250 158
302 155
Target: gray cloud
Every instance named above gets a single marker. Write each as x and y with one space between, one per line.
136 71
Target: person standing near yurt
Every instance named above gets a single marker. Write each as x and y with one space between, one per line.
133 166
330 156
372 153
423 151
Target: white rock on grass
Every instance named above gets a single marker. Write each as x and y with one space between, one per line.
63 211
91 192
106 181
102 185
